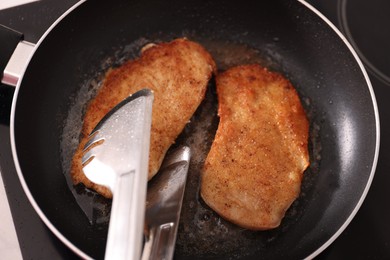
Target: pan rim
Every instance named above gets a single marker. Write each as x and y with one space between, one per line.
82 254
25 187
377 128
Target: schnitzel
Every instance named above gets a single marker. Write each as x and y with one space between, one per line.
255 166
177 72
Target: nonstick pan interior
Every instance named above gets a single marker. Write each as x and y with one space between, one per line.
283 35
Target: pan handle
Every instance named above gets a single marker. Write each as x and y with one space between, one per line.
13 60
8 41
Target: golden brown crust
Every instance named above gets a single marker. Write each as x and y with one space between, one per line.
178 73
254 169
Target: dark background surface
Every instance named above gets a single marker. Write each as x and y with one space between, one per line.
367 236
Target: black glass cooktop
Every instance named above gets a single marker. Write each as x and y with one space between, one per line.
364 24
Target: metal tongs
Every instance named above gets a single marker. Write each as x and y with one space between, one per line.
117 156
163 205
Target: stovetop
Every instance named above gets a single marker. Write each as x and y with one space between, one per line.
365 25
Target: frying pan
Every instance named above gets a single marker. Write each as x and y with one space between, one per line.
287 36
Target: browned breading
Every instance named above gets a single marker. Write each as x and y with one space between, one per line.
254 169
178 73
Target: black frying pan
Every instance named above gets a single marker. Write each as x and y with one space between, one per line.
287 36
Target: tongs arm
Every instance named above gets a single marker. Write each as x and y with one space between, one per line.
117 157
161 242
123 238
163 207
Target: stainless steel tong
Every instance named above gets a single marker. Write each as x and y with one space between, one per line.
163 205
117 156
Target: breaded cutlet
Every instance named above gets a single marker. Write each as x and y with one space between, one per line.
254 169
177 72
